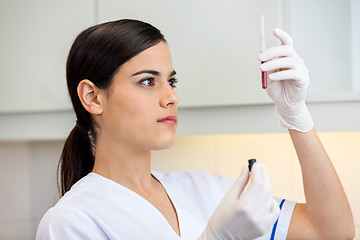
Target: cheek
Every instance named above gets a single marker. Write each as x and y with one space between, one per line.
140 109
132 120
133 113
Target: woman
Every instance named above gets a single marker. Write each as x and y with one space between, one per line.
121 83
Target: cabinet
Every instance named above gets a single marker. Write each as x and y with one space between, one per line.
323 33
214 44
35 39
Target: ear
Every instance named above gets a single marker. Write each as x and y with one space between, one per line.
90 96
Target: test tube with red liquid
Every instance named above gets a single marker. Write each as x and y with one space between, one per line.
264 75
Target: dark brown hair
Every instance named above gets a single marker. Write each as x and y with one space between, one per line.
96 54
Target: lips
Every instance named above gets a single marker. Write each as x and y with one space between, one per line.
169 120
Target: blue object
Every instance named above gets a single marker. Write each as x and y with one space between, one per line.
275 225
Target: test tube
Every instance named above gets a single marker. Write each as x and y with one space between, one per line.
251 162
264 75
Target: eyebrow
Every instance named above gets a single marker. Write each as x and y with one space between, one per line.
152 72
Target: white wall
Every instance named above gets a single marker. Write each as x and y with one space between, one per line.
27 186
15 192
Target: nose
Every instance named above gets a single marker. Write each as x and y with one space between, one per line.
169 98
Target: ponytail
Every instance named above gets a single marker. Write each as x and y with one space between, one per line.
77 159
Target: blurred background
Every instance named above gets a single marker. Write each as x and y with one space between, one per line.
225 117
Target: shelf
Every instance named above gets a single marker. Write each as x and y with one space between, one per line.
328 115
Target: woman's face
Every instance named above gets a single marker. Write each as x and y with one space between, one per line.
140 109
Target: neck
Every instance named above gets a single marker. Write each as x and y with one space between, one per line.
125 165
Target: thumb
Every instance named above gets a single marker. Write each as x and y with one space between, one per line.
240 183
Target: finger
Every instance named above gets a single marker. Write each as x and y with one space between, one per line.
266 179
260 183
273 87
285 62
240 183
276 52
290 74
283 36
256 176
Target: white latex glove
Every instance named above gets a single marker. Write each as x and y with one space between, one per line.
244 215
287 87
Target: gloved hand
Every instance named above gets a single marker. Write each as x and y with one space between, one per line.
244 214
287 87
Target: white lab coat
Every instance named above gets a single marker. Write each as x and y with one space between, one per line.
99 208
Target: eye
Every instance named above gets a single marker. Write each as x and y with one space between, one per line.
147 82
172 82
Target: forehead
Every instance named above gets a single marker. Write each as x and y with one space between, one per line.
157 58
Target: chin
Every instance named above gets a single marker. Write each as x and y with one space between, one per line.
164 143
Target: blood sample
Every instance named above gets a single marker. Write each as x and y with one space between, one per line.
264 75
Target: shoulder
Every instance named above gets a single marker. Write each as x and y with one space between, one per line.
81 188
71 217
64 222
88 191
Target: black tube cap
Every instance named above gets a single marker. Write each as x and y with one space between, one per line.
251 162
